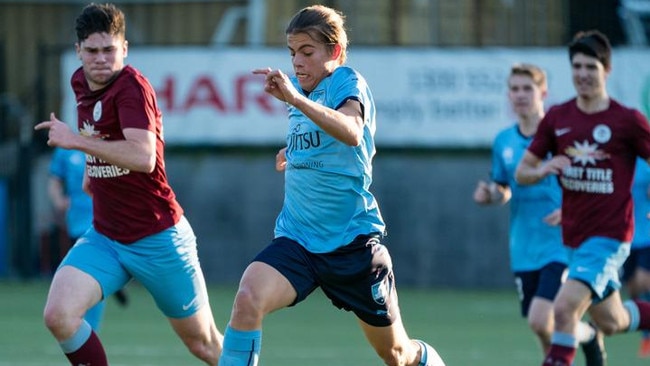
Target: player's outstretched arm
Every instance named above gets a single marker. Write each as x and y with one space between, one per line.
531 169
136 152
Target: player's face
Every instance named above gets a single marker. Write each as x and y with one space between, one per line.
102 57
589 76
526 98
312 61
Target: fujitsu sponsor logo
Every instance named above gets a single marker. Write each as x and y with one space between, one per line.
299 140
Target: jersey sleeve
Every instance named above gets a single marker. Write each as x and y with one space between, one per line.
498 172
642 136
345 86
544 140
136 104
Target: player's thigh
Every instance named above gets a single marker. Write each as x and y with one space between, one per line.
540 315
573 298
282 274
72 292
609 314
90 270
199 326
641 278
167 265
265 288
597 262
542 284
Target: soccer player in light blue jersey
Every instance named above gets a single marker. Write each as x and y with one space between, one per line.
636 269
538 257
329 231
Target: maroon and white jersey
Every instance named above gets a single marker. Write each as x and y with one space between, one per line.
127 206
602 148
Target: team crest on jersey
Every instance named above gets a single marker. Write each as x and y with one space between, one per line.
602 133
381 291
97 111
585 153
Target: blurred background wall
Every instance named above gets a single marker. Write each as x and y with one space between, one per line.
231 194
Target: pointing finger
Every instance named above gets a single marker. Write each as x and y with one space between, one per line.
262 71
42 125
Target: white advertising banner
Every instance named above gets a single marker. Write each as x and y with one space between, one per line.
425 97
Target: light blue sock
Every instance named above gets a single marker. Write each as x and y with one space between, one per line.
631 308
564 339
241 348
78 339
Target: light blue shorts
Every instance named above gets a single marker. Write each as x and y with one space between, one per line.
166 264
597 263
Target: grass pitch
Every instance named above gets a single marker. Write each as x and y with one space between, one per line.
466 327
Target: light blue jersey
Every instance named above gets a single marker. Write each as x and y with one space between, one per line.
69 166
640 187
533 243
327 201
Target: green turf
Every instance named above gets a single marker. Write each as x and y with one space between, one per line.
467 328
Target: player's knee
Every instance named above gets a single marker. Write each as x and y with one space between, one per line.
247 306
542 329
563 313
60 322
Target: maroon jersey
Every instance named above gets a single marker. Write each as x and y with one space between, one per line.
596 186
127 205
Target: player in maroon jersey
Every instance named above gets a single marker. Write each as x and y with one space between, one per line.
594 141
139 230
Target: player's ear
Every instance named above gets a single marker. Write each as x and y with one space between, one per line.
336 51
77 49
126 48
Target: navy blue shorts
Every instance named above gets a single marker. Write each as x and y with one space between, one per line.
639 258
544 283
357 277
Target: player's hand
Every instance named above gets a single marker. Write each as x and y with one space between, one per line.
59 133
554 166
278 84
554 218
281 160
482 193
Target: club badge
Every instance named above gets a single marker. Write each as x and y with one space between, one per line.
602 133
97 111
